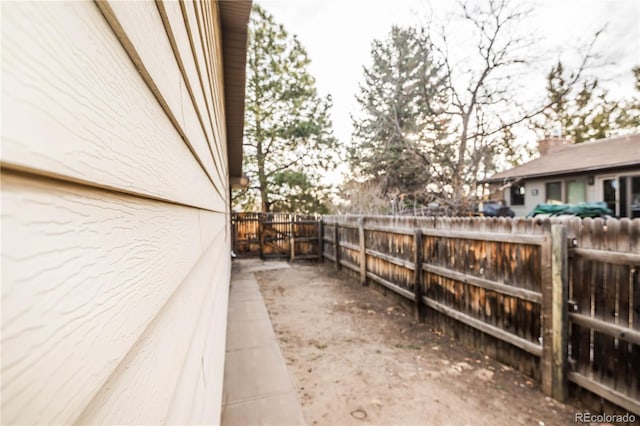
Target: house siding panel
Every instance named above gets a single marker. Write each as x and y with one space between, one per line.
176 27
140 23
593 191
212 89
534 194
115 247
141 390
75 107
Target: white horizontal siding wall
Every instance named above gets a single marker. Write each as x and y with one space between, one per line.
115 222
534 195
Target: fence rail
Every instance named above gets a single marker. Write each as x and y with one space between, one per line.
506 286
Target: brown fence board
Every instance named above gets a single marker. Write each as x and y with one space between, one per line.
634 311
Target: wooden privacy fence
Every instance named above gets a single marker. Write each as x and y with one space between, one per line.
604 309
276 235
506 285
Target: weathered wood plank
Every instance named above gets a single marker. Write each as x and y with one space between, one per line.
349 265
582 294
391 286
350 246
599 310
484 283
618 398
559 321
336 244
608 328
391 259
363 252
486 328
486 236
619 258
621 360
546 363
418 276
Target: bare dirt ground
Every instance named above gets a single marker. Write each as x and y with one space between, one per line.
356 358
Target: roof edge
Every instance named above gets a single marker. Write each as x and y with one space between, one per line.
563 172
234 22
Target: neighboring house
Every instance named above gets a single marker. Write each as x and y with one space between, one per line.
121 133
605 170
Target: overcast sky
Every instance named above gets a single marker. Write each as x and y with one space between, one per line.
338 34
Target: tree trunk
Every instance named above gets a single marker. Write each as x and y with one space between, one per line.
457 176
262 179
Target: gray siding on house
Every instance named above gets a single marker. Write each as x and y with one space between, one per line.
536 189
115 213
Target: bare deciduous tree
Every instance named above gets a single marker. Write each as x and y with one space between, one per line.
484 104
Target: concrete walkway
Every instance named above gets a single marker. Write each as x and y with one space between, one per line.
257 387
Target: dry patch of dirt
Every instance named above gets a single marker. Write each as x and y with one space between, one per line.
356 358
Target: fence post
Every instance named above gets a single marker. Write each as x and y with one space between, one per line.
321 239
363 252
559 314
292 242
261 234
546 287
336 244
417 281
554 311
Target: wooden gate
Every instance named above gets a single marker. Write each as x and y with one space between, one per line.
276 235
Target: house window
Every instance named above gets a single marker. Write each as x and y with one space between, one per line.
629 196
635 196
609 193
517 194
554 192
576 192
622 181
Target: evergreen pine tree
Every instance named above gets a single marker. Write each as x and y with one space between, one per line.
397 139
288 141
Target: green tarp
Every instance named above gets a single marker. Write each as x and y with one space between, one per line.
595 209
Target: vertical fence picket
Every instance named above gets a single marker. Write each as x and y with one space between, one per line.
597 241
336 243
321 240
363 253
634 296
559 314
417 281
610 280
621 377
582 295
